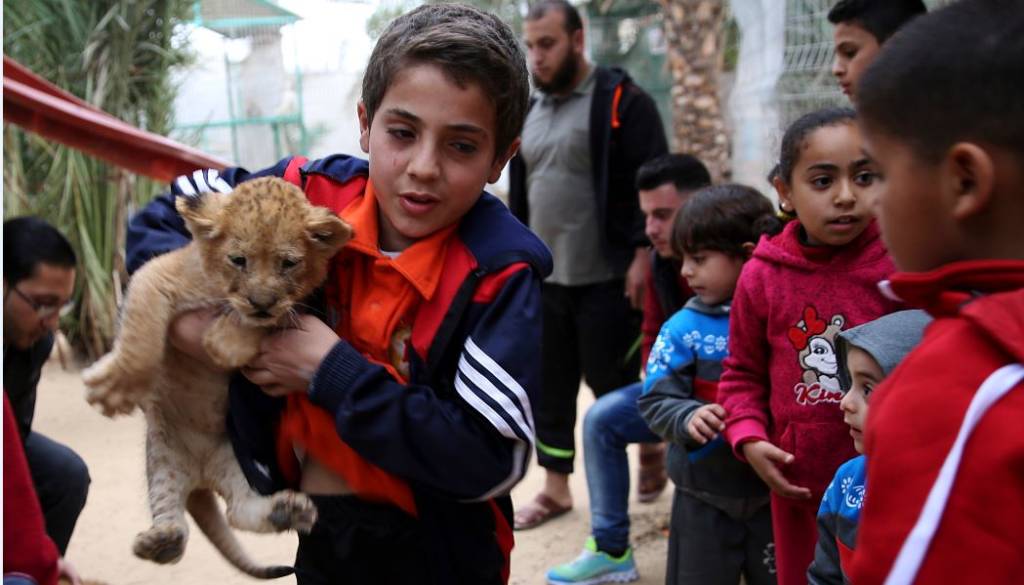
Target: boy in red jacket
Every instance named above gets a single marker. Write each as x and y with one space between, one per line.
942 109
30 555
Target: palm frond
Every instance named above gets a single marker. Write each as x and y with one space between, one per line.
117 55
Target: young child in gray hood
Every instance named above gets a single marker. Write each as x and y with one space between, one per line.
867 354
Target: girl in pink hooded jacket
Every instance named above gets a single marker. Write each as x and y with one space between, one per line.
803 286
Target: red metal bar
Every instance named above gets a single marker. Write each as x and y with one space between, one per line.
43 108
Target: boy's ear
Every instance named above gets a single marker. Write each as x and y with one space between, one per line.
782 189
364 127
972 176
748 249
327 231
201 212
501 161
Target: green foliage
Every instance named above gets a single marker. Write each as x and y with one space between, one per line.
118 56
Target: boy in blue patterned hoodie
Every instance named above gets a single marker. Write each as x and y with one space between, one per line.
867 354
721 522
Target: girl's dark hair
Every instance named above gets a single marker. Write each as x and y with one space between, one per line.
796 134
723 218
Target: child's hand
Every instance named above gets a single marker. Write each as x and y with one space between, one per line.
765 458
706 422
186 334
289 358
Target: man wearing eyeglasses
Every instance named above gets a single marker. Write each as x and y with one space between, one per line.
39 277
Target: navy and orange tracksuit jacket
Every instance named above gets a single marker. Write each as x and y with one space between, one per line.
460 433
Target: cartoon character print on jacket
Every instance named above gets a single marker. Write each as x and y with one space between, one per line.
814 339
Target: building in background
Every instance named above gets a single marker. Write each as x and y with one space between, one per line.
271 79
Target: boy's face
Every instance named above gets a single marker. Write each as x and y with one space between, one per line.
865 374
855 49
711 274
660 206
917 227
432 150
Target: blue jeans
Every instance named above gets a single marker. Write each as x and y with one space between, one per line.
611 424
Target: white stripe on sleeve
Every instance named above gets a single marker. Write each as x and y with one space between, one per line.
506 380
185 186
520 457
481 384
216 182
200 179
915 547
485 409
221 185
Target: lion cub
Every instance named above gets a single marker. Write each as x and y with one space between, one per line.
256 252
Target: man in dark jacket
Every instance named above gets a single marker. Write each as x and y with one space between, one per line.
39 277
588 131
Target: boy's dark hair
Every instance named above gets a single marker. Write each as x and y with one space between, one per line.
684 171
29 242
469 45
796 134
881 18
723 218
573 22
956 74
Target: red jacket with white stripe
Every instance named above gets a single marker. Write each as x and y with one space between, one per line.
915 417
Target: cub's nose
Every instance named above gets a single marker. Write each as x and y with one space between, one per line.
263 302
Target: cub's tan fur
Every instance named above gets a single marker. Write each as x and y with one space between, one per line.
255 253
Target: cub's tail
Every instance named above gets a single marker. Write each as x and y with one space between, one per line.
203 506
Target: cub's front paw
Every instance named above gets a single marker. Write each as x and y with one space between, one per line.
228 355
292 510
111 388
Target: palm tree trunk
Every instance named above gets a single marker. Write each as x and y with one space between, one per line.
693 31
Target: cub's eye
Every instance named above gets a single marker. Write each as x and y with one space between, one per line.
289 263
238 261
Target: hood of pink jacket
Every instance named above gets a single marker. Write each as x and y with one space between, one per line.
785 249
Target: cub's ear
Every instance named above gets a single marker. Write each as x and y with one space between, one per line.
327 231
201 212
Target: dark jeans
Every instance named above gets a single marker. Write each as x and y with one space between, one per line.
356 542
707 546
588 331
62 483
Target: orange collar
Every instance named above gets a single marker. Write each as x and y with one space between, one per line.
421 263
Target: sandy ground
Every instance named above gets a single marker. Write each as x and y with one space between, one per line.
116 509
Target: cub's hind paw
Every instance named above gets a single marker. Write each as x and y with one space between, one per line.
161 544
294 511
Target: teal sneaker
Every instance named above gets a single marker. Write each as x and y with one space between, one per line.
593 567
